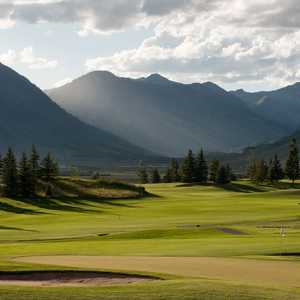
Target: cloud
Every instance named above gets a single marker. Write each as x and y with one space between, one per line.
252 42
27 57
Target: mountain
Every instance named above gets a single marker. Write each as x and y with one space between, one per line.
281 106
164 116
28 116
240 161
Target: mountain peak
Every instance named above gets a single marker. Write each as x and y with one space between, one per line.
157 79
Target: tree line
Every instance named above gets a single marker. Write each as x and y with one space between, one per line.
260 171
193 169
21 178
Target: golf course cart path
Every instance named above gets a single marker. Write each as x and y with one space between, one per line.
266 272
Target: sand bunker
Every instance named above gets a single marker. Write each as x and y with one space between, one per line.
69 278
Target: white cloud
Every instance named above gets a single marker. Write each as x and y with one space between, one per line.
27 57
242 41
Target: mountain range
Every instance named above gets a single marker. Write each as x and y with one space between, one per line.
164 116
28 116
281 106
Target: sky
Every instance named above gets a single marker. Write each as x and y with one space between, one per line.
249 44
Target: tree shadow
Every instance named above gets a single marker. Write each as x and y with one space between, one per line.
242 188
17 210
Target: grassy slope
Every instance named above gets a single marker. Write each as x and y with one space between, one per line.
156 226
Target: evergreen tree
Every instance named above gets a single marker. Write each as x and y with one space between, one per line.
10 174
261 171
143 174
35 169
201 169
168 176
25 174
222 177
188 168
1 165
49 168
175 171
213 170
252 170
155 176
229 173
292 164
275 170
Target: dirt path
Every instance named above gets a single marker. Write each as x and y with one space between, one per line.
263 272
68 279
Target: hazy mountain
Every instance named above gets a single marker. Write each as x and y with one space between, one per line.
282 106
266 151
28 116
165 116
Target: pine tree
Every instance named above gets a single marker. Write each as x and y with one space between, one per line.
188 168
10 174
252 170
175 171
213 170
25 174
143 174
229 173
168 176
35 169
155 176
261 171
222 177
201 169
1 165
49 168
292 164
275 170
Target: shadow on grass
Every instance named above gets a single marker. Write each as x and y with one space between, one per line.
17 228
242 188
17 210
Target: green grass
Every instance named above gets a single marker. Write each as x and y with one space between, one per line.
178 221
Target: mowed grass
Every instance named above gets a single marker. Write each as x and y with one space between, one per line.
240 220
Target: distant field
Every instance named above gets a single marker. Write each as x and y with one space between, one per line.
207 242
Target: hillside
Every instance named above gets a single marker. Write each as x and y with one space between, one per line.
282 106
239 161
28 116
165 116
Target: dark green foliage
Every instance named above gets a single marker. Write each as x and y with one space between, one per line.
143 174
96 175
275 170
35 169
175 171
258 171
223 176
25 177
292 163
10 174
1 165
168 176
201 168
155 176
49 168
213 170
188 168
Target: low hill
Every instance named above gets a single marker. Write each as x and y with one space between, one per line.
164 116
28 116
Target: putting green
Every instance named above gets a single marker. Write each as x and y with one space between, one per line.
259 272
